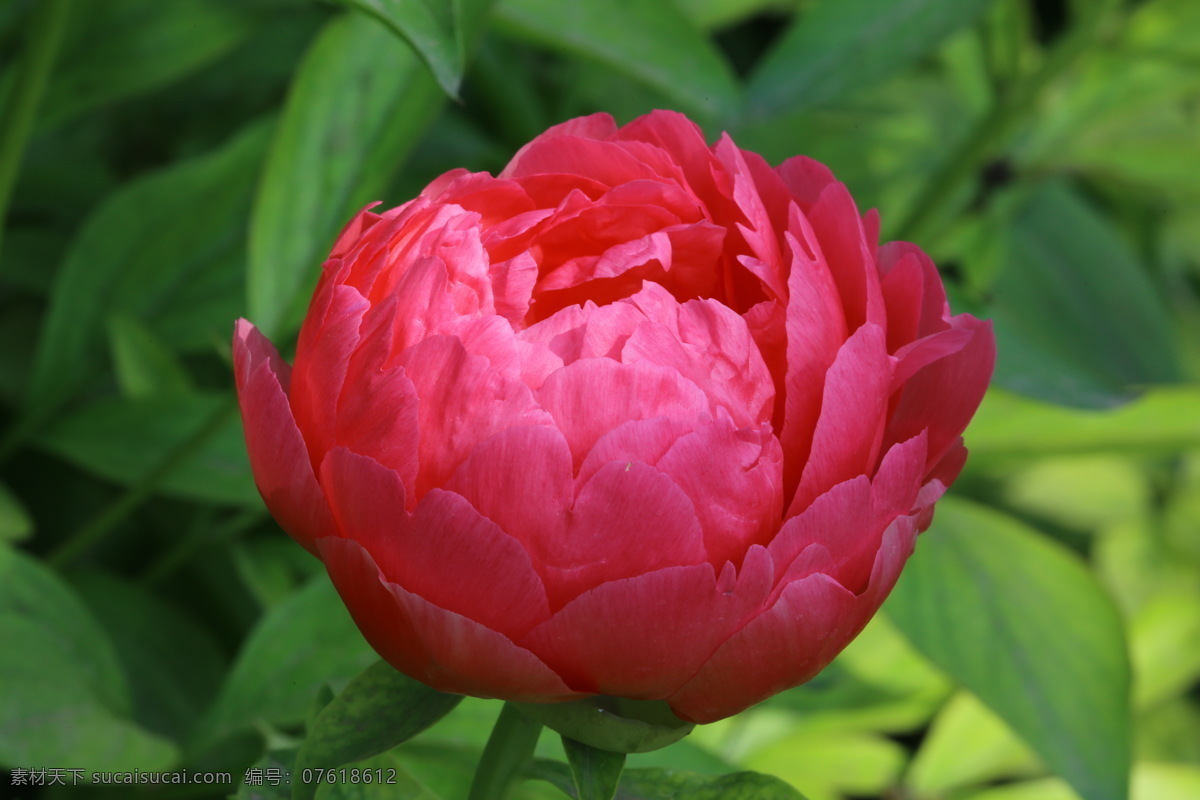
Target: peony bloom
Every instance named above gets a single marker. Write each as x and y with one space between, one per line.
637 417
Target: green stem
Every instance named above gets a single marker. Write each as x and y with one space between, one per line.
45 37
509 749
117 511
1007 110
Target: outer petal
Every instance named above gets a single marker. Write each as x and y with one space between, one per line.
794 638
437 647
643 637
444 552
277 451
942 397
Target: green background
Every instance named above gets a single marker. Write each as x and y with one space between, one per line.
166 167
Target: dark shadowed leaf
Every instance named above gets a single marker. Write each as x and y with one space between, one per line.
1021 623
843 45
65 700
356 107
127 439
300 645
595 772
378 710
1078 320
653 43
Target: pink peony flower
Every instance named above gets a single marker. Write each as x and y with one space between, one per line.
637 417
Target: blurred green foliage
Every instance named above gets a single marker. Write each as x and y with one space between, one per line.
168 166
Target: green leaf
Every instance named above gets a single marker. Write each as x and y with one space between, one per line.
430 28
15 522
967 745
1009 426
839 47
611 723
1019 622
1077 319
122 48
174 663
356 108
596 772
65 698
137 254
299 646
144 366
127 441
653 43
378 710
663 784
830 765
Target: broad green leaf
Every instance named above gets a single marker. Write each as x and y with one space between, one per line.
596 772
378 710
174 663
299 646
121 48
144 366
356 107
1021 623
838 47
64 700
663 784
653 43
129 440
1008 426
1077 318
15 522
139 254
430 28
967 745
830 765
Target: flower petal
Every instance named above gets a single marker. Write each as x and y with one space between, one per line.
437 647
643 637
278 455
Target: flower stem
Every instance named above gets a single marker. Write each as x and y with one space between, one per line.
508 750
45 35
